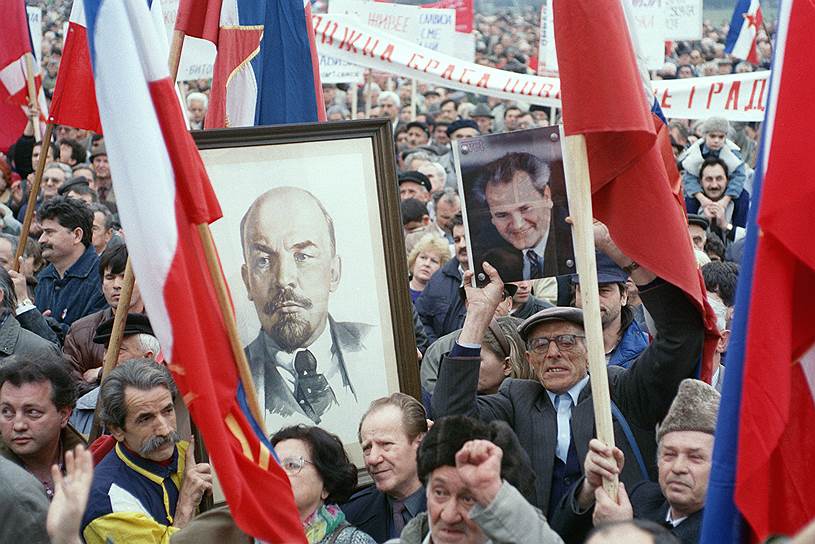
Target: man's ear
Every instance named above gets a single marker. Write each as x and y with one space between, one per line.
507 367
336 273
78 234
724 340
65 415
117 433
245 277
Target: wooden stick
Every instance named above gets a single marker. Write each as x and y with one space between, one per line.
354 88
33 193
176 47
368 80
578 183
225 305
116 334
32 96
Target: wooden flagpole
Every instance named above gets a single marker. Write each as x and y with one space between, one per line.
578 183
33 193
32 96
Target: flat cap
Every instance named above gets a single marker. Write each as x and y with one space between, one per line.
556 313
460 124
698 220
135 324
416 177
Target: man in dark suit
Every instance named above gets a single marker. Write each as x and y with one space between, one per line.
302 361
553 416
515 188
684 456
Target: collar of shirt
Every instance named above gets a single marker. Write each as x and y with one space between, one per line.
669 518
540 247
83 266
413 504
320 348
574 392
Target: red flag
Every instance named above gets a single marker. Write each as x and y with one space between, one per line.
199 19
632 191
776 436
74 100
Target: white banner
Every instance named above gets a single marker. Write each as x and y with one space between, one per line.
547 55
738 97
683 19
336 70
197 55
35 26
649 23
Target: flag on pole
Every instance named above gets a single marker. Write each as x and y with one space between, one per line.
633 192
15 45
160 213
266 71
765 441
74 99
741 38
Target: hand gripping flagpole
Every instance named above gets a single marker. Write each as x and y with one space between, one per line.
578 183
33 193
32 96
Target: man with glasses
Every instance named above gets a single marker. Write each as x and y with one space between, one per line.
553 416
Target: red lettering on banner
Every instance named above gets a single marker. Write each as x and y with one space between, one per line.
366 50
387 54
348 42
733 96
761 95
432 64
750 105
448 72
531 88
483 81
316 19
464 73
664 102
410 63
690 96
333 31
514 85
545 90
715 88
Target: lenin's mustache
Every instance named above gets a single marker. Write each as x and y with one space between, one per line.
283 297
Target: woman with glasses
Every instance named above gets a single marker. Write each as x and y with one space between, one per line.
321 476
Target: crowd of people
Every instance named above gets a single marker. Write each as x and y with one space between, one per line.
499 448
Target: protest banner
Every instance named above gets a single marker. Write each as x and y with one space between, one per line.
683 19
197 57
649 24
336 70
737 97
35 26
547 55
464 13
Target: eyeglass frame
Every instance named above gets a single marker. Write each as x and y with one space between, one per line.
302 460
557 340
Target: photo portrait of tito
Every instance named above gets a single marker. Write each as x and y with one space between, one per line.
515 190
302 361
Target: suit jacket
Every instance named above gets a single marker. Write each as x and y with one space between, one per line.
347 343
15 340
369 511
649 503
642 392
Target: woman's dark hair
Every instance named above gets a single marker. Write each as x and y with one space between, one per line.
338 473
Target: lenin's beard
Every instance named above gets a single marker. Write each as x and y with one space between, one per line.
290 331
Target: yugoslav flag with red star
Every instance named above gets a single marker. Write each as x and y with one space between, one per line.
741 39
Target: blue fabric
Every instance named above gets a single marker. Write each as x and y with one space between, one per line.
440 307
283 67
461 351
564 475
741 208
736 22
77 294
633 342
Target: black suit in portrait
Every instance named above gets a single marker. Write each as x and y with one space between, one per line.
347 343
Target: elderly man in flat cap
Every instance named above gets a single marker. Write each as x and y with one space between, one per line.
684 455
553 416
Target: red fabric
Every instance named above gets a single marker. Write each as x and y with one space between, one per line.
14 30
238 45
633 192
776 436
14 122
199 18
74 101
315 66
757 22
202 363
101 447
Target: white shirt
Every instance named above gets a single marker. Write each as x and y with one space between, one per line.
564 416
674 522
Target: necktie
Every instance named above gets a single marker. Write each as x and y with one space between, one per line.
563 405
535 266
311 389
398 518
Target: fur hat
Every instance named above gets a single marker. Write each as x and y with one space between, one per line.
448 434
694 408
716 124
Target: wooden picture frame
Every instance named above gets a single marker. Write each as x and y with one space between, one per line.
261 175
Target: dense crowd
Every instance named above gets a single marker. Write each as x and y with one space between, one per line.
499 448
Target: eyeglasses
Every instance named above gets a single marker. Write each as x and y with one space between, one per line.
47 179
293 465
564 342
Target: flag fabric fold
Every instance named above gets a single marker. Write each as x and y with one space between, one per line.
741 38
634 184
160 213
765 443
266 71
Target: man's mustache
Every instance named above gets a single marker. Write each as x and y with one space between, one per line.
286 296
158 442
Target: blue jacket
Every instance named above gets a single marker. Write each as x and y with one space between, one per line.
440 306
369 511
741 206
633 342
77 294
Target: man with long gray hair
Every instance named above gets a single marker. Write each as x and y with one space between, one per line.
149 484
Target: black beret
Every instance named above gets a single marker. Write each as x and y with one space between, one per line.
135 324
416 177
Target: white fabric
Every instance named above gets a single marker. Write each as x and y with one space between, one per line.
122 500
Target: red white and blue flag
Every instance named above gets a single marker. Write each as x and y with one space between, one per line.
266 71
741 38
15 45
628 150
765 439
160 213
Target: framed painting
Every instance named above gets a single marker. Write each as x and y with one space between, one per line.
312 249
